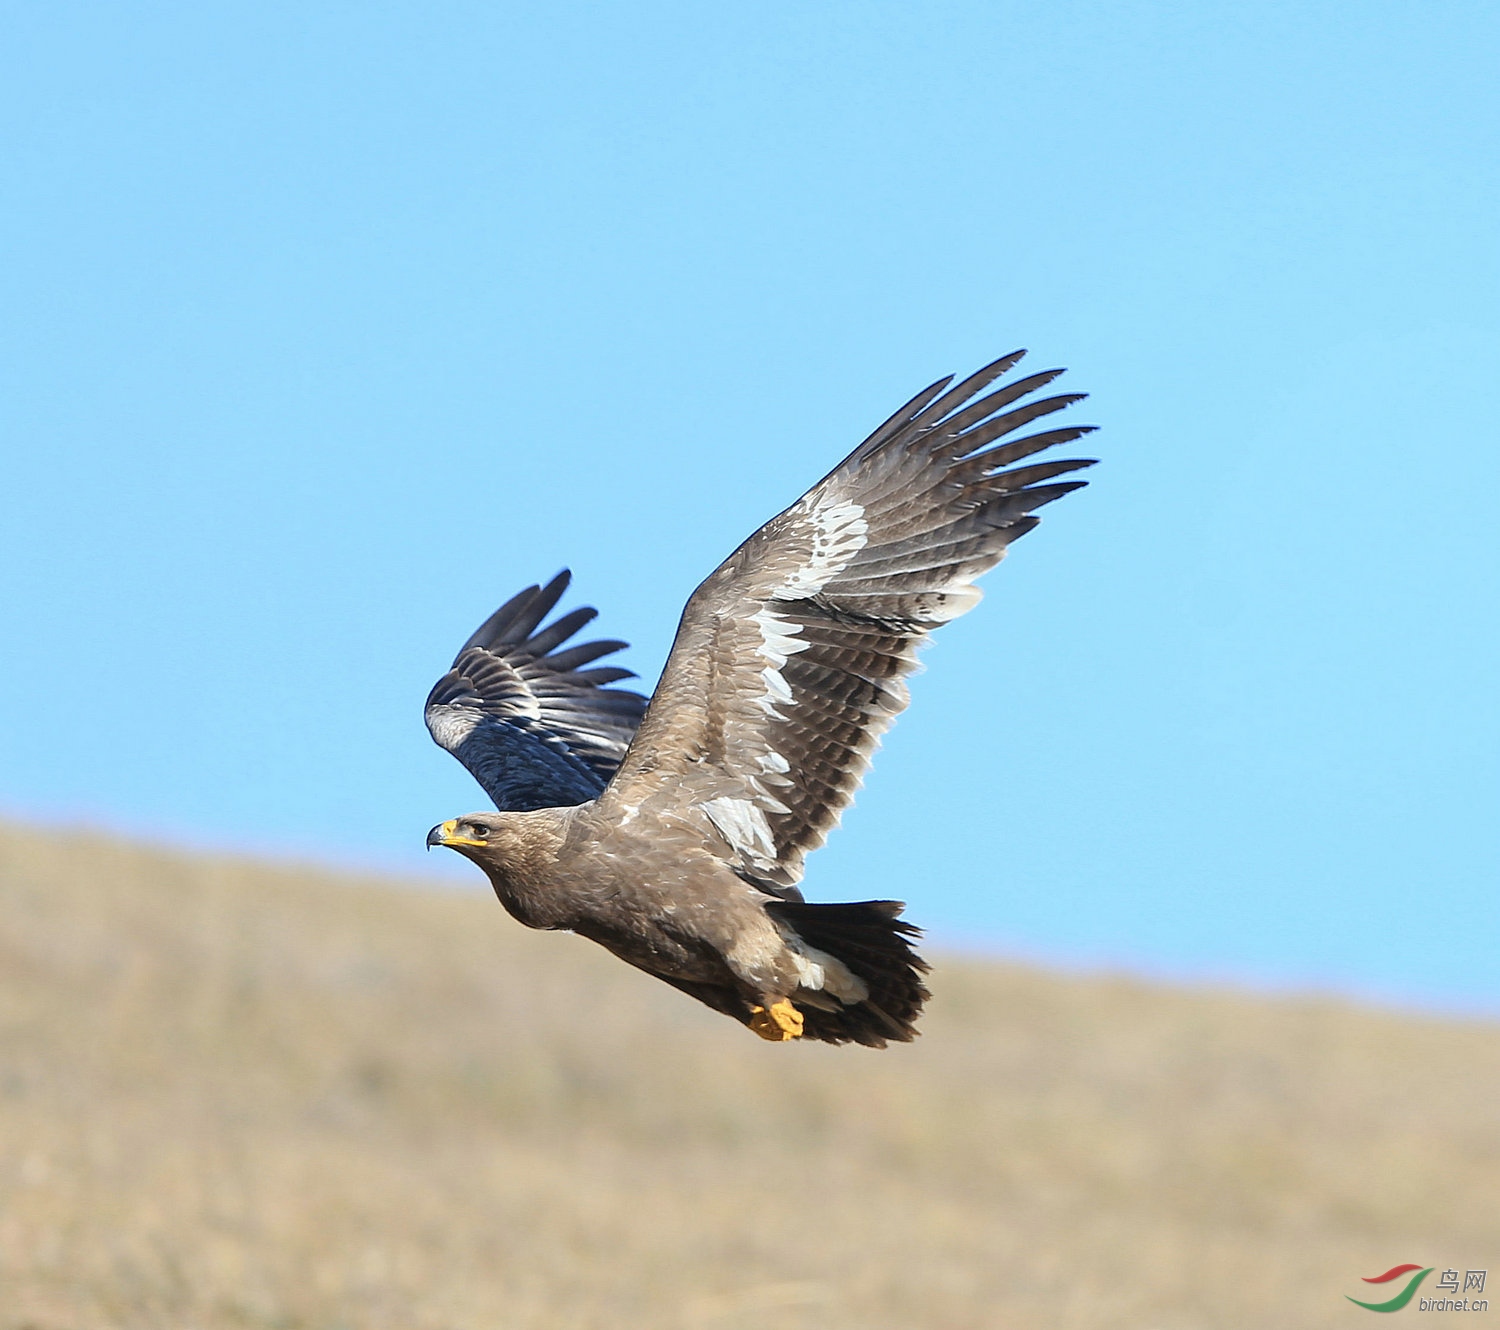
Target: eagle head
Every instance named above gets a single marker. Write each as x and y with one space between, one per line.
464 834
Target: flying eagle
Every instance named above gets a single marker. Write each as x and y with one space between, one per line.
674 833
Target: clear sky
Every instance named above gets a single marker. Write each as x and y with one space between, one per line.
324 328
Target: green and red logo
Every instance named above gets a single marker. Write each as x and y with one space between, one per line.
1402 1298
1447 1283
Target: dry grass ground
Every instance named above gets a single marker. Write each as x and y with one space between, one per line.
233 1095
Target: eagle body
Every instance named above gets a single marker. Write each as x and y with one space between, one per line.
653 893
674 834
656 894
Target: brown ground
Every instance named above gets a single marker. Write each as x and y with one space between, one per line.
233 1095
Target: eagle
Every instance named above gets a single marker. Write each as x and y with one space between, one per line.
673 832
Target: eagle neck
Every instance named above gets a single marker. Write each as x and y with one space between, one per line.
521 865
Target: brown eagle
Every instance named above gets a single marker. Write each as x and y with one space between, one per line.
674 833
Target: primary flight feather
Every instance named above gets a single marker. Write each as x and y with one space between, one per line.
674 833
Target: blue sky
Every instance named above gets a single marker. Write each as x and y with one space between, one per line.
327 327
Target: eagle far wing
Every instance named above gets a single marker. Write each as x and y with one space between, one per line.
533 727
790 659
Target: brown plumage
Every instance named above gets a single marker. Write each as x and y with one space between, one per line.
678 845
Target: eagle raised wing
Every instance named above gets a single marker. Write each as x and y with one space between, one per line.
534 728
790 659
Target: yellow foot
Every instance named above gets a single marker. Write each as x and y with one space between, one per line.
778 1023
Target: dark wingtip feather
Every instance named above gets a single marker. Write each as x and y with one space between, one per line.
1009 482
1007 511
564 661
1014 451
525 621
903 415
977 382
961 419
560 630
499 621
605 674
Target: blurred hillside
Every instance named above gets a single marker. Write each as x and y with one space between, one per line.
236 1095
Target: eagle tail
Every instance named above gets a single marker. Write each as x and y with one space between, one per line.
873 943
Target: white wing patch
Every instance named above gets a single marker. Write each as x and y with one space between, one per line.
744 826
777 688
778 640
839 533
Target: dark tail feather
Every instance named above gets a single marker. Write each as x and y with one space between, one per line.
872 941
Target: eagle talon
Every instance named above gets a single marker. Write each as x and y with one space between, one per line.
778 1022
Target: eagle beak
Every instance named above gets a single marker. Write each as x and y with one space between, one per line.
446 833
